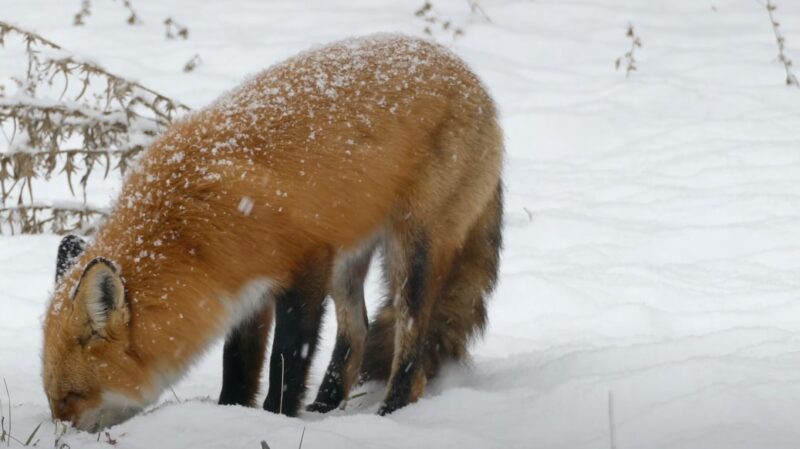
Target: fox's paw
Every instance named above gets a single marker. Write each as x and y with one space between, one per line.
388 408
320 407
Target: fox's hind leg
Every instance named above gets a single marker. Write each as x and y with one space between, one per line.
418 266
243 358
379 350
347 290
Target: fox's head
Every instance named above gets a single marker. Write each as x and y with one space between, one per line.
92 376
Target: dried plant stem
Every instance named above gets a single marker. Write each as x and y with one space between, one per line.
86 10
629 57
98 120
192 63
280 403
612 438
475 6
36 38
27 219
175 29
791 79
133 19
32 435
177 399
432 18
8 397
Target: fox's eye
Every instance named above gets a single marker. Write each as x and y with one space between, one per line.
68 399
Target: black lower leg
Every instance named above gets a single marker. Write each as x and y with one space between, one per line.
403 384
297 324
242 359
332 391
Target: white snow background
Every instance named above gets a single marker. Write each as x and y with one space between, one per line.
650 286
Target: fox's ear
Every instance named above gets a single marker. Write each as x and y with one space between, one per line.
102 295
68 251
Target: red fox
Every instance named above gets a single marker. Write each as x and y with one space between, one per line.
267 201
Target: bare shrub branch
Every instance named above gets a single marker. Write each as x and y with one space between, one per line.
85 11
475 7
175 29
192 63
97 119
58 219
434 19
629 58
791 79
133 19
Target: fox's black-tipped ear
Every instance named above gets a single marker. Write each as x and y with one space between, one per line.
68 251
101 294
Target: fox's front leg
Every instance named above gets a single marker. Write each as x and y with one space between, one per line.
243 359
298 313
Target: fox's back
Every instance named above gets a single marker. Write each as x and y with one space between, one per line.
334 135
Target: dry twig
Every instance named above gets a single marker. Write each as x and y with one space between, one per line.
433 19
86 10
475 7
791 79
133 19
174 29
192 63
629 57
98 119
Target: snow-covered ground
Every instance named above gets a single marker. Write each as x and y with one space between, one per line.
650 286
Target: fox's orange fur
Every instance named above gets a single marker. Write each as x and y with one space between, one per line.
386 141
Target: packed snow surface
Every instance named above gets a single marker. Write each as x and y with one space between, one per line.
649 294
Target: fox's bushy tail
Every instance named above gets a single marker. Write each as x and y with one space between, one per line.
459 314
